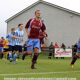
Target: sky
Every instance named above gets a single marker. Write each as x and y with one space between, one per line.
9 8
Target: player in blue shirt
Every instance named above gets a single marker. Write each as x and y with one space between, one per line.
18 41
11 39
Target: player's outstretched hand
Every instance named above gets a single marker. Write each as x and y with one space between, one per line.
28 34
46 38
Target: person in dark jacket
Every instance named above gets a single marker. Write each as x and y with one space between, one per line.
64 48
51 50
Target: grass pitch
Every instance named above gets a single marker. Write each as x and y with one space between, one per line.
54 68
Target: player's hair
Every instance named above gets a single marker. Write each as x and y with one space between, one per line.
36 11
2 38
19 25
12 29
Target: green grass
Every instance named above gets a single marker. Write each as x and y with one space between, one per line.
43 66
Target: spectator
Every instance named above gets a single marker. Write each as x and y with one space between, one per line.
1 47
68 47
51 50
56 45
64 48
42 46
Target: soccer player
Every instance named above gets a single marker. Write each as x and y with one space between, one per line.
18 41
10 38
6 47
51 50
76 55
33 27
1 47
25 51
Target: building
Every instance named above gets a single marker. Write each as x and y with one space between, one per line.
62 24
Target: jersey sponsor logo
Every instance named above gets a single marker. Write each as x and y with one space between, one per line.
33 26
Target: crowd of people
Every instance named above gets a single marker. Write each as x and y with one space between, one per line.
12 45
53 46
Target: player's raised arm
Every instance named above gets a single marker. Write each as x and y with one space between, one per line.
16 36
7 37
27 26
27 32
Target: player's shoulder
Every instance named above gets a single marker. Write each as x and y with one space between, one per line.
16 30
31 19
9 34
42 22
22 31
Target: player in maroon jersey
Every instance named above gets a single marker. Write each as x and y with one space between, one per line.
33 27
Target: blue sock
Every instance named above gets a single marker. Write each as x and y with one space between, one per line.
10 57
15 57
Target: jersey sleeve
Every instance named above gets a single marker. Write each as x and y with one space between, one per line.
28 24
16 33
43 27
7 36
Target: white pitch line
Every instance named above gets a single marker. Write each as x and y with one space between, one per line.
37 73
41 78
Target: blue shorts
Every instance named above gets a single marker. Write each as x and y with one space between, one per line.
33 43
1 48
78 50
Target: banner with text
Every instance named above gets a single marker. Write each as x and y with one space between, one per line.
60 52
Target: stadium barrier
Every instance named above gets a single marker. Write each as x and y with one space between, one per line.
58 52
55 53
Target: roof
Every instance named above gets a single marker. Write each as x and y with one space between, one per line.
47 3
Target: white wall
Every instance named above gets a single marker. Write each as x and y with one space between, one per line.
61 26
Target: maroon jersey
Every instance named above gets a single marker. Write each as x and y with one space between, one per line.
34 27
41 36
1 43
